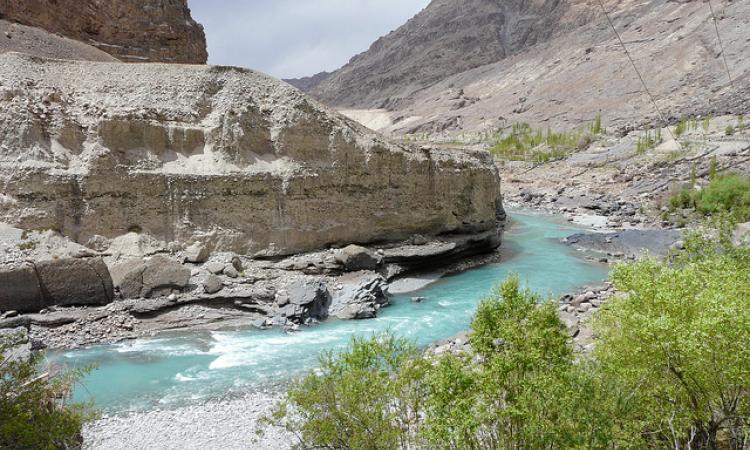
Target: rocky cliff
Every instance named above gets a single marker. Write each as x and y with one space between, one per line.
225 156
134 31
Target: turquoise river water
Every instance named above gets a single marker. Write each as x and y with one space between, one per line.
171 370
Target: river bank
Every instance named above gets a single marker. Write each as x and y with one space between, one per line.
226 424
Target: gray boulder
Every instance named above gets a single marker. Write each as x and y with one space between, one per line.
155 277
215 267
302 300
127 277
196 253
212 284
69 281
163 275
360 298
19 289
355 257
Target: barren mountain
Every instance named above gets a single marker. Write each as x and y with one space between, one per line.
132 31
446 38
482 64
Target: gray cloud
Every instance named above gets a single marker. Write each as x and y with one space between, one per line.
293 38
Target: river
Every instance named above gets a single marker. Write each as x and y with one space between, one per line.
187 368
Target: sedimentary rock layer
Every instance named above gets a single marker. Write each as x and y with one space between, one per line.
136 31
220 155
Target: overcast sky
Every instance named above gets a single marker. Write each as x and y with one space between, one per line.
294 38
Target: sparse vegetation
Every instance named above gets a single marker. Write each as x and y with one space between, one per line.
648 141
729 131
525 143
33 412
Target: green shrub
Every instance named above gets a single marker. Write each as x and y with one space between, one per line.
729 130
364 398
678 341
729 193
724 194
525 143
33 413
648 141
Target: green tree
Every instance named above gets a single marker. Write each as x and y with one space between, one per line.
678 341
367 397
33 413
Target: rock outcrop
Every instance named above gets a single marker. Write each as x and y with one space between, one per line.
133 31
29 287
38 42
227 157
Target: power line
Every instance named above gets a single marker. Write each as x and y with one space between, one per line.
721 45
640 77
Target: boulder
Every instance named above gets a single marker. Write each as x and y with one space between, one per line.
127 277
155 277
212 284
231 271
360 298
163 275
215 267
304 300
196 253
355 257
19 289
72 281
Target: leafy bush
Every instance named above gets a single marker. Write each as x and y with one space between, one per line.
682 126
724 194
33 413
364 398
678 341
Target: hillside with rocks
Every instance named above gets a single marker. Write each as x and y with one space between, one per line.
131 31
548 63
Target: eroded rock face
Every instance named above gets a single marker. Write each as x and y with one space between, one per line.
29 287
226 157
134 31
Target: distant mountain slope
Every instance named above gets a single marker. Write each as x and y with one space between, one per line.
482 64
576 76
308 83
445 38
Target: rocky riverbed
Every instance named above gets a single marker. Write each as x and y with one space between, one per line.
225 424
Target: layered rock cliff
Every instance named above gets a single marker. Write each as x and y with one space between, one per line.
225 156
134 31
